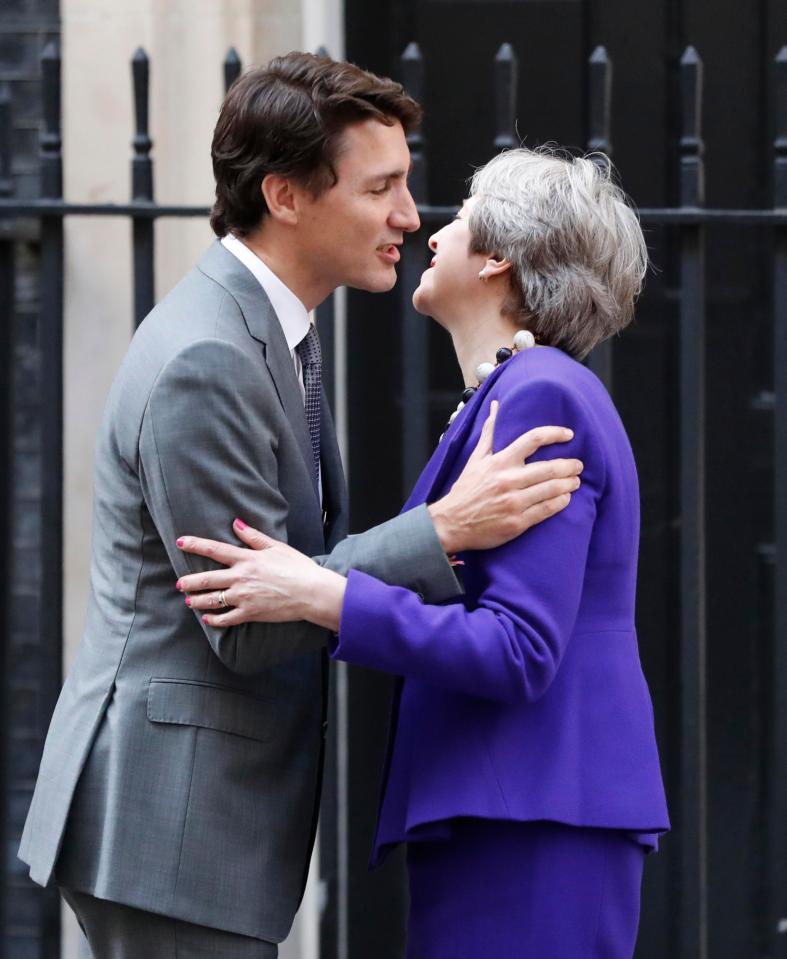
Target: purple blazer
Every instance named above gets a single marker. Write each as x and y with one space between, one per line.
524 699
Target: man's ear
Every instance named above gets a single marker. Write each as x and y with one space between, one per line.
280 197
495 266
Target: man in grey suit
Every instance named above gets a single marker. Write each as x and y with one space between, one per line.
177 798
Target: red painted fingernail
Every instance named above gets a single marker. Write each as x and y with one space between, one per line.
205 620
178 586
239 523
181 541
188 600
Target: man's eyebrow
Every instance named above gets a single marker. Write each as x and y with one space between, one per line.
390 175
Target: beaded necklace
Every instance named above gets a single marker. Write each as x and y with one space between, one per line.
523 340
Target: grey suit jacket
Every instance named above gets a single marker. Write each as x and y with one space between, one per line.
181 773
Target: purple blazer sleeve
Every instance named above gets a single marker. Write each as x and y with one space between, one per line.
506 639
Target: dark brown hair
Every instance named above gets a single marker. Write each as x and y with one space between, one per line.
288 118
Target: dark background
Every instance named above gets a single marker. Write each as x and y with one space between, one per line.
552 40
645 39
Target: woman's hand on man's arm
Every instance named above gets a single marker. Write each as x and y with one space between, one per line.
496 498
270 582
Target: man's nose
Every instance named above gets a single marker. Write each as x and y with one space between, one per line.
405 215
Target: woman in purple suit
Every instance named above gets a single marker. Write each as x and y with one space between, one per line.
522 769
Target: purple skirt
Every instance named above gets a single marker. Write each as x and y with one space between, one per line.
524 890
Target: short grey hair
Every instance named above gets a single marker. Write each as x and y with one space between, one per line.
576 248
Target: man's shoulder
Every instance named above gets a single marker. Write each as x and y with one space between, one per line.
198 299
199 320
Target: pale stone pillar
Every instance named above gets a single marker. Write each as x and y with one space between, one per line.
186 41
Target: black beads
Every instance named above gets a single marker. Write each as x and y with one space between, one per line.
503 354
468 394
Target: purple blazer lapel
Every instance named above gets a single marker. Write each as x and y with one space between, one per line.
447 449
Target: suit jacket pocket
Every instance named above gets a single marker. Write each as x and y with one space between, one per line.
188 702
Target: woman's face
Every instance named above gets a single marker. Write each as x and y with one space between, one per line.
452 277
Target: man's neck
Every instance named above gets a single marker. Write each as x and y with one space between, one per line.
289 267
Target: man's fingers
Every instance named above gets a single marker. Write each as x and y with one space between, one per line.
543 470
485 441
219 552
525 445
211 579
252 537
547 491
543 510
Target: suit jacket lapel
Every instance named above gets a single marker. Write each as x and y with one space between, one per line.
334 487
277 356
263 325
433 476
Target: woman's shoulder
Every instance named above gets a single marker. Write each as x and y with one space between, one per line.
551 371
545 383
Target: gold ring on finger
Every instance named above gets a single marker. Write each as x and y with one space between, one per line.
222 598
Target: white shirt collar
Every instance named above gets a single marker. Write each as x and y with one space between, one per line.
292 314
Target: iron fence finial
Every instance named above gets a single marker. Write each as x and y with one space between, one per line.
600 102
232 68
6 187
50 141
505 83
412 67
692 148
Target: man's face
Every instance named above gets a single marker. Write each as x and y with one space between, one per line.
352 231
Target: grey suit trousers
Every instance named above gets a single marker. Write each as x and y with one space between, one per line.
115 931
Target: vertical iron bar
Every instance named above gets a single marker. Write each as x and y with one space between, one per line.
505 73
6 468
232 68
328 838
413 80
142 191
415 375
692 802
334 812
600 141
324 316
51 462
777 766
600 102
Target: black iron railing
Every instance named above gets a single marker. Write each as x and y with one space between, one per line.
690 219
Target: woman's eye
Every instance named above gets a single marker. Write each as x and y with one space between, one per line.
381 191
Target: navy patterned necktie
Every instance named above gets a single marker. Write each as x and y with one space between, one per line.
311 360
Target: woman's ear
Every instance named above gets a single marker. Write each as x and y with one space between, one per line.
280 199
494 266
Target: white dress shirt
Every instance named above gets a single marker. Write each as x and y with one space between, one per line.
290 312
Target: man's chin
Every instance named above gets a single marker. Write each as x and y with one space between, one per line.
381 283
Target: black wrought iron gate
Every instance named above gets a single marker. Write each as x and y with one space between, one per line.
677 921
